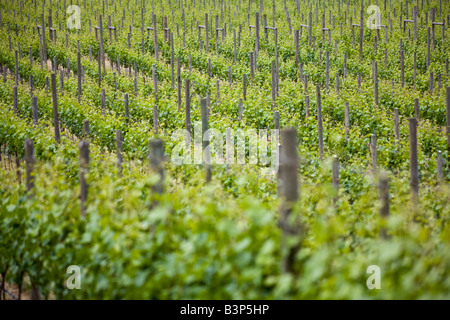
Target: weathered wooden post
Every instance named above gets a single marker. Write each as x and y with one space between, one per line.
119 150
383 187
217 91
375 84
296 47
413 162
35 111
155 37
127 114
327 71
373 150
240 111
276 120
55 109
428 47
16 73
86 129
252 71
156 157
439 165
290 194
416 109
206 137
447 90
83 170
307 107
179 84
79 74
347 120
155 82
396 126
155 118
15 101
188 105
274 85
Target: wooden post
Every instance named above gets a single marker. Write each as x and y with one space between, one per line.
327 71
375 66
428 47
396 125
276 120
440 174
155 40
447 90
156 157
252 71
383 187
296 47
15 103
307 107
86 129
207 34
155 118
416 109
155 82
55 109
16 73
373 149
347 120
35 111
274 85
206 138
217 91
188 105
289 192
83 169
29 163
431 83
119 149
172 60
319 120
127 115
240 111
179 83
79 74
413 163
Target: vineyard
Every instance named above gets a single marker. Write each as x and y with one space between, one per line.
225 149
